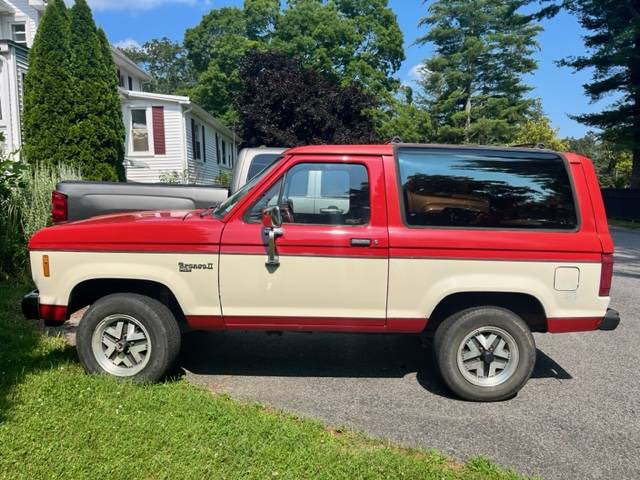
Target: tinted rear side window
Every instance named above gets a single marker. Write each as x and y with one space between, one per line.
485 189
260 162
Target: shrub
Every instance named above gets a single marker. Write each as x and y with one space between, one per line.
223 178
25 210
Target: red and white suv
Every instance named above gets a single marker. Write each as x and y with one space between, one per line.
476 247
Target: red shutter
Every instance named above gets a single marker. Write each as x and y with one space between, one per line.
159 143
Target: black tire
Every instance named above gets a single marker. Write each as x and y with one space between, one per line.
160 324
450 336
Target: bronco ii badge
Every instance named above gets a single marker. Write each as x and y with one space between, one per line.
190 267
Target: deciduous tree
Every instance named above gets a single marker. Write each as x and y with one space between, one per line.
539 131
351 40
167 63
283 103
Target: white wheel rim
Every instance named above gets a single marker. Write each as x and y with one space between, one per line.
121 345
488 357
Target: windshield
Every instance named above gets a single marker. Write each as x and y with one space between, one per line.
231 202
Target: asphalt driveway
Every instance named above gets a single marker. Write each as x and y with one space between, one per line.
578 417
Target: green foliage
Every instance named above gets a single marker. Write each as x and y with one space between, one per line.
540 131
97 132
223 178
284 103
473 84
48 96
613 43
400 118
612 163
72 113
26 209
347 39
166 61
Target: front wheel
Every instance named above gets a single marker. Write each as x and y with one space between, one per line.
128 336
485 353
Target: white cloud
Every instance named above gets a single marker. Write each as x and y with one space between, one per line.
417 71
140 4
128 43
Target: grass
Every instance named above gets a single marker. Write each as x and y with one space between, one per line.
633 224
56 422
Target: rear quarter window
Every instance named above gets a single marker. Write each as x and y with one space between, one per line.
478 188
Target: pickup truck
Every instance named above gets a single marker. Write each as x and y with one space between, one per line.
473 247
77 200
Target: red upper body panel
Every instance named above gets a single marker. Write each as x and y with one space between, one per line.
189 231
135 231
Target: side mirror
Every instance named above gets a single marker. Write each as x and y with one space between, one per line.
271 217
272 222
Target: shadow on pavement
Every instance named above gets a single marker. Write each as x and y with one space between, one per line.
324 355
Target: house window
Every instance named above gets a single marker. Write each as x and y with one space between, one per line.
120 79
19 33
217 149
224 152
204 145
139 130
196 144
130 83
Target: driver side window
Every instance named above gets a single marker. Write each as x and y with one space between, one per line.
320 194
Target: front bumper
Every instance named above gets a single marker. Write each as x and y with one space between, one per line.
31 305
53 315
610 321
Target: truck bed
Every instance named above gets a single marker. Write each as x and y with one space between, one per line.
88 199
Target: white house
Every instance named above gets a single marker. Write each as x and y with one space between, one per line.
18 24
167 136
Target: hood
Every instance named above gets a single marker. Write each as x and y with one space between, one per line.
134 231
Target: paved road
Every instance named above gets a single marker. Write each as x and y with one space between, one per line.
578 417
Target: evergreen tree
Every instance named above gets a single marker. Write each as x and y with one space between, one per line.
473 84
48 99
614 55
96 132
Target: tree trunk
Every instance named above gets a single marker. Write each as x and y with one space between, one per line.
467 126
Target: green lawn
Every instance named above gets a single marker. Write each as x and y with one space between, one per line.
57 422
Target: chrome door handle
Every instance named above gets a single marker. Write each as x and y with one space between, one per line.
360 242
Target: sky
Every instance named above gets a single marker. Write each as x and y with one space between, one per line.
135 21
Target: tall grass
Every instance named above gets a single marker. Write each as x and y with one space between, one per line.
25 209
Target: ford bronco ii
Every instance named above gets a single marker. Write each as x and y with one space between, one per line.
474 247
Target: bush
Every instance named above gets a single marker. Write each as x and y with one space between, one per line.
25 209
223 178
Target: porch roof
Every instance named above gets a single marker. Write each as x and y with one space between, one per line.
5 8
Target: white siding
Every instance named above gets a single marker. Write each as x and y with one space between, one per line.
24 14
150 167
125 74
202 172
13 64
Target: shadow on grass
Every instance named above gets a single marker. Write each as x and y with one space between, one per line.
23 349
325 355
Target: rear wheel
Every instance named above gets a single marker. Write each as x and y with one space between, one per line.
128 336
485 353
